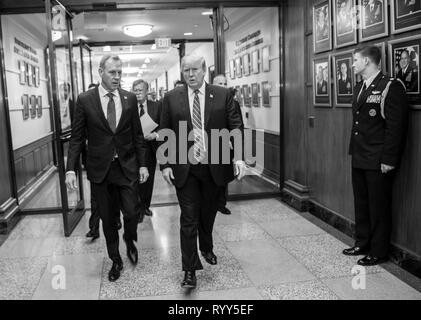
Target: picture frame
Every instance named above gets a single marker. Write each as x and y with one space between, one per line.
405 17
404 64
344 78
28 72
266 93
37 77
33 104
255 90
383 63
265 59
232 68
322 28
22 72
238 96
211 73
255 62
238 71
246 64
344 23
373 20
322 82
34 79
25 106
246 95
39 106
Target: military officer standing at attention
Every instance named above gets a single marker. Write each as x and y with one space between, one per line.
380 116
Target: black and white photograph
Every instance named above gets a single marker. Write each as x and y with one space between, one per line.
406 15
25 106
33 106
373 20
404 55
322 34
22 72
247 95
344 22
321 82
255 91
265 59
238 95
238 68
344 79
266 93
232 68
246 64
255 62
39 106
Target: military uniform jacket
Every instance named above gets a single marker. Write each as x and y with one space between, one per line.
380 120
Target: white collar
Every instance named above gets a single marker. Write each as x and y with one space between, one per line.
103 92
371 79
201 89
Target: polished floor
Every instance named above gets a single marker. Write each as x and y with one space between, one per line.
265 251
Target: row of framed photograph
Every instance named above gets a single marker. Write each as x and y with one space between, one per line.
248 95
32 106
28 74
403 56
369 17
250 64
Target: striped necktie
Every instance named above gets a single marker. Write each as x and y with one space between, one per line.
198 147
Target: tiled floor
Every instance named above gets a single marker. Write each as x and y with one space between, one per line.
265 251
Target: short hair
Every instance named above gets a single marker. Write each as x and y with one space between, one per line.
219 76
407 53
92 85
179 82
140 81
195 57
107 57
372 52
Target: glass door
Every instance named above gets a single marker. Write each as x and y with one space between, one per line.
63 95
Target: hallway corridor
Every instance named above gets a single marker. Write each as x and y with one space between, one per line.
265 251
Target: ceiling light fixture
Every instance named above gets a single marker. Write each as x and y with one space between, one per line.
144 66
106 48
207 13
188 33
147 60
153 46
137 30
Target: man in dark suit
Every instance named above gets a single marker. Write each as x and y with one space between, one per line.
221 80
153 109
380 117
407 73
195 110
373 12
107 117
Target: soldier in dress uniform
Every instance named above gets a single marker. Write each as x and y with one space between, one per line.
380 116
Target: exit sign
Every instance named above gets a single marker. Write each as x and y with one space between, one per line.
163 42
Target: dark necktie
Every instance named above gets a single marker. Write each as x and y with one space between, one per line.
197 127
362 91
111 117
142 110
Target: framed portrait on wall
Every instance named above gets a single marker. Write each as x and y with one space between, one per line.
373 19
344 23
321 82
33 104
246 64
37 77
28 71
406 15
238 95
232 69
33 72
25 106
404 59
265 59
246 95
322 29
238 73
255 61
344 78
265 93
255 89
39 108
22 72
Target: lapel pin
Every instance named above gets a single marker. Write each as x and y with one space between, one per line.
125 97
211 95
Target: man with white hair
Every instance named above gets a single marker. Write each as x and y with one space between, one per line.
198 182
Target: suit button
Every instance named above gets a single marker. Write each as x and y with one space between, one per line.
356 133
357 112
356 122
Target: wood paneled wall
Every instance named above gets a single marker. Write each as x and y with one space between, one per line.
318 156
33 160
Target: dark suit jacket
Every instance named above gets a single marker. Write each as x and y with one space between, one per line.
90 123
154 111
220 113
374 139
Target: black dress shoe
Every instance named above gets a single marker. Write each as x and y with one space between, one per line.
118 224
225 210
131 250
148 212
209 257
371 260
355 251
92 234
114 273
189 281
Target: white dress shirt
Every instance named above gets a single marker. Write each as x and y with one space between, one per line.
201 94
104 102
368 82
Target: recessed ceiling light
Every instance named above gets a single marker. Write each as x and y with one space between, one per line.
144 66
153 46
188 33
106 48
147 60
137 30
196 25
207 13
130 69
